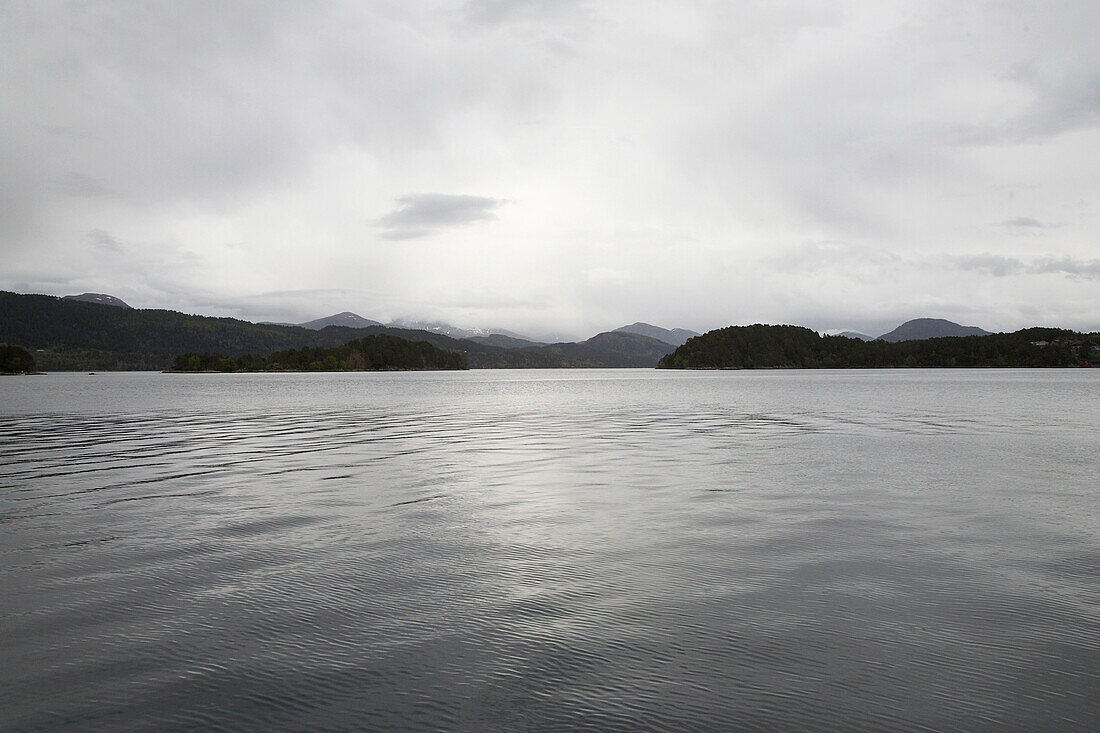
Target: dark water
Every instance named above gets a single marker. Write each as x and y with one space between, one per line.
602 550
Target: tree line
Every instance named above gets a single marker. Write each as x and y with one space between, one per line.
371 353
764 346
16 360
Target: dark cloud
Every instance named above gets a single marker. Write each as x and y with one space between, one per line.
422 214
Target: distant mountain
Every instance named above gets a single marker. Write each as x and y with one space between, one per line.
439 327
856 335
502 341
478 355
519 336
609 349
469 333
351 320
930 328
550 337
675 337
100 298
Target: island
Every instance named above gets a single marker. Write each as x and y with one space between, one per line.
371 353
796 347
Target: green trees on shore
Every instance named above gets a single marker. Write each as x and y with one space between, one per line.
756 346
372 353
15 360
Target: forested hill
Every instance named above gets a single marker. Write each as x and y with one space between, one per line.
748 347
372 353
930 328
66 334
608 349
74 334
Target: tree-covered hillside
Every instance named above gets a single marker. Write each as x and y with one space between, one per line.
609 349
372 353
919 329
748 347
67 334
72 334
15 360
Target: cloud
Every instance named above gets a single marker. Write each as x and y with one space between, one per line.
811 257
886 138
103 241
81 185
495 12
423 214
169 107
1088 269
399 234
1024 222
1062 102
991 264
1000 266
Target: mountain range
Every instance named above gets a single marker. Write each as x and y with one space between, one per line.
912 330
499 337
99 331
79 334
354 320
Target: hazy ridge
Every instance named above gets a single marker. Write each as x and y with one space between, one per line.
65 334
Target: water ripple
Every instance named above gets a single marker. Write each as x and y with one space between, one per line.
612 551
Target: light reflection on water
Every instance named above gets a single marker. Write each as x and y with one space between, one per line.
551 550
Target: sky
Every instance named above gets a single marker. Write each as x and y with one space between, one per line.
548 166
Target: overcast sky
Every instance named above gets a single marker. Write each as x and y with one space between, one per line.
543 165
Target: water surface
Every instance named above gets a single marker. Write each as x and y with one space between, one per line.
551 550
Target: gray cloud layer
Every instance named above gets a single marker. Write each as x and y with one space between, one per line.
1000 266
685 163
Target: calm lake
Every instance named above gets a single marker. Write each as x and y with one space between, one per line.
551 550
